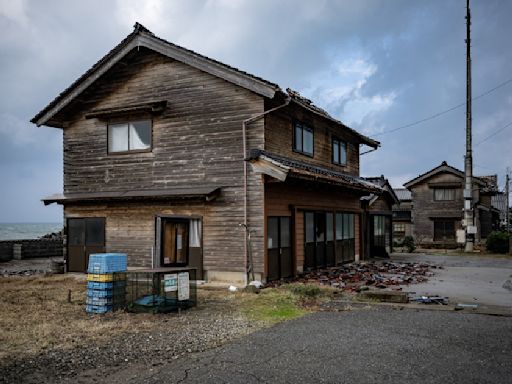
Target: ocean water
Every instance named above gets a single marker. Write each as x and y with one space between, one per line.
18 231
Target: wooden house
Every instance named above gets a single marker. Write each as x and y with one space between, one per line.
438 202
378 219
180 160
402 214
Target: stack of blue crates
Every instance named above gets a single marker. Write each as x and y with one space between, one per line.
106 282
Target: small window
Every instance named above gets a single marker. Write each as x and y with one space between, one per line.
129 136
303 139
444 194
399 228
339 151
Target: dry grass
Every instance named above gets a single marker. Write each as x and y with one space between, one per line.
36 316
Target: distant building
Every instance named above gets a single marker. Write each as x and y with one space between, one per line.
437 205
378 219
402 223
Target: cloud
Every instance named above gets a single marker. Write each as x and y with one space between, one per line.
149 12
16 131
14 10
374 64
341 90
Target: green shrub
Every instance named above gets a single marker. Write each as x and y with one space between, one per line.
409 244
498 242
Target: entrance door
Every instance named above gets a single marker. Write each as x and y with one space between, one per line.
380 236
279 248
174 249
319 240
85 236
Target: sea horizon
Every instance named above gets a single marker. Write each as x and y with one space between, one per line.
28 230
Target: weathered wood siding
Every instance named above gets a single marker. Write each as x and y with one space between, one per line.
281 197
279 139
425 208
196 141
381 205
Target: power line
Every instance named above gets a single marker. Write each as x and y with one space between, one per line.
493 134
436 115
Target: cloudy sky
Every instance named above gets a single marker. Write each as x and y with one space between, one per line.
377 65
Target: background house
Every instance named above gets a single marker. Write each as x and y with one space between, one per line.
437 205
402 215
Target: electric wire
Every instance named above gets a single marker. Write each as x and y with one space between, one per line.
436 115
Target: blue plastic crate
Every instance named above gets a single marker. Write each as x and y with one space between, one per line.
119 292
100 286
98 308
107 263
99 300
106 285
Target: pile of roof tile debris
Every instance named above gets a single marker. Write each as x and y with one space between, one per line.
366 275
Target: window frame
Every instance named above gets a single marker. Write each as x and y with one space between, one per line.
400 225
435 190
303 127
443 230
127 122
339 142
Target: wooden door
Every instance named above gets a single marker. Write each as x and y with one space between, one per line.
175 244
279 248
85 236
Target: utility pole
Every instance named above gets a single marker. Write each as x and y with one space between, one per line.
507 192
468 159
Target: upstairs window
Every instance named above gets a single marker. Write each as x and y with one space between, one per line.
303 139
444 194
339 151
131 136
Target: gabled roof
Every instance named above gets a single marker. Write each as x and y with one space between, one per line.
281 168
403 194
382 182
143 37
297 98
443 168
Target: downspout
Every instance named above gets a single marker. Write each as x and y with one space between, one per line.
245 123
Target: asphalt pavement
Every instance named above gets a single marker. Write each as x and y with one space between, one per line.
374 345
480 280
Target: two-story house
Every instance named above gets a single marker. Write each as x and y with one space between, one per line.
438 203
180 160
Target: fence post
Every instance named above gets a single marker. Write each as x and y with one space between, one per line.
16 251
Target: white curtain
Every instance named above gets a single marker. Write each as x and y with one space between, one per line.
118 138
195 233
139 134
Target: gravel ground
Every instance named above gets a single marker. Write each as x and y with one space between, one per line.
195 330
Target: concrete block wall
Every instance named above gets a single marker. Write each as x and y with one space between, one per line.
30 249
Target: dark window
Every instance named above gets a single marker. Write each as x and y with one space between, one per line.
339 151
444 230
303 139
129 136
402 215
444 194
95 231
